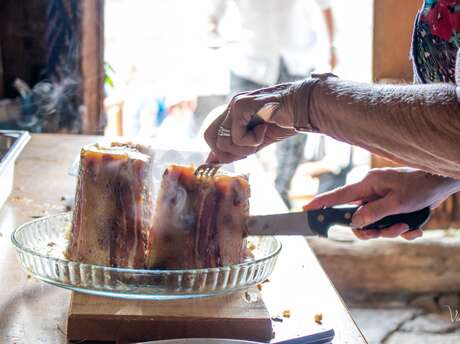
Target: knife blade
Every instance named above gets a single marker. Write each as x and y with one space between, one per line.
318 222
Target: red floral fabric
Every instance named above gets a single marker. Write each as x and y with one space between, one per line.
443 17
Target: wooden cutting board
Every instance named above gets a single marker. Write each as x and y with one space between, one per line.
234 316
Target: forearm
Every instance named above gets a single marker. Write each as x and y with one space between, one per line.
218 8
314 169
416 125
448 186
329 22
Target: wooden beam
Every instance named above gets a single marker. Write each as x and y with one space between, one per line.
2 91
388 266
393 24
92 65
23 42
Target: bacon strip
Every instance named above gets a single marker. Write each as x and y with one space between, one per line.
198 222
114 206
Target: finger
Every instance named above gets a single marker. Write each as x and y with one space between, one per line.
212 158
210 134
218 156
232 144
267 141
225 144
211 137
376 210
271 90
411 235
225 158
348 193
259 133
242 135
242 112
366 234
394 231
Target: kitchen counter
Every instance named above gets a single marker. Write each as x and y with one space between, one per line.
34 312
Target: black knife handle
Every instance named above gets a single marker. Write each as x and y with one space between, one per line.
322 219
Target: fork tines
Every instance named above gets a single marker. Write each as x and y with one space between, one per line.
207 170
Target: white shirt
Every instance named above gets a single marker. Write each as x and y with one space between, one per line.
272 29
176 128
333 154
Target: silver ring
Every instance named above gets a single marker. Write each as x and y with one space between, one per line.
224 132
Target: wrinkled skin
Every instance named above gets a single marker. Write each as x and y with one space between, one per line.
386 192
413 125
238 115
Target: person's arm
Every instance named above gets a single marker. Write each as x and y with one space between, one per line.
336 159
314 169
330 28
218 8
328 17
417 125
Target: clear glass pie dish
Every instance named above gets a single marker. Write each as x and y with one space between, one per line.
40 245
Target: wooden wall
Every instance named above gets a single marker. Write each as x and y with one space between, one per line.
22 42
393 24
23 51
2 87
92 65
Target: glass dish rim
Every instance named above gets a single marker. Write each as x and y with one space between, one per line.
20 247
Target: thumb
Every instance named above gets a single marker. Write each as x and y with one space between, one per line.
212 158
345 194
259 133
376 210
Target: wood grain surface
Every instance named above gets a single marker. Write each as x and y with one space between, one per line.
227 316
34 312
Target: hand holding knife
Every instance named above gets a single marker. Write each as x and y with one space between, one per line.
318 222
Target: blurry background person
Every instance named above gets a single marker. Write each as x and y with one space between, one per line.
177 127
328 160
277 45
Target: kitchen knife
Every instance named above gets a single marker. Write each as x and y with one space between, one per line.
318 222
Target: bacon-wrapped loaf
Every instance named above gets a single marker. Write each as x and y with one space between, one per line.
199 222
114 206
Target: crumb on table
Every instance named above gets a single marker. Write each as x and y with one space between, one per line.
319 318
250 297
287 313
251 247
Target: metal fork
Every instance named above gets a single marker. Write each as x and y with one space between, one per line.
207 170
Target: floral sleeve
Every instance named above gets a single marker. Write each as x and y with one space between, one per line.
436 41
457 75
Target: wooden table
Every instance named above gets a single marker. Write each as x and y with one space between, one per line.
35 312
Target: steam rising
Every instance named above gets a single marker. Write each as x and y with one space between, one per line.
49 107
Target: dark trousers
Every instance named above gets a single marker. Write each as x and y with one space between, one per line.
330 181
289 152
